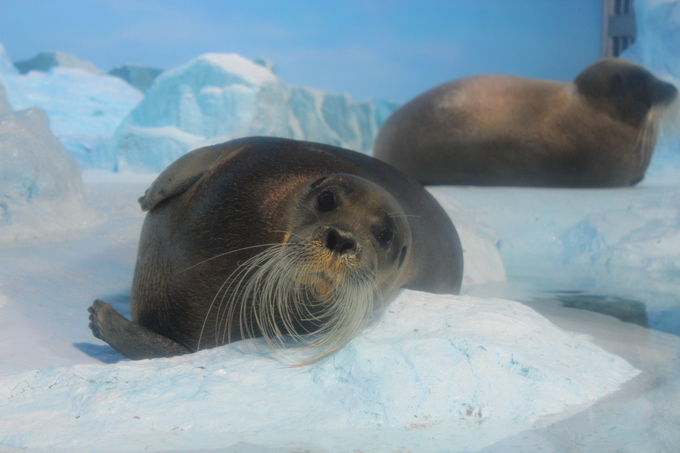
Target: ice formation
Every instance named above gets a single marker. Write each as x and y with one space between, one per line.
84 108
140 77
41 189
426 373
45 61
218 97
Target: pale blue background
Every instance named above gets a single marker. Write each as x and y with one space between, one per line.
386 49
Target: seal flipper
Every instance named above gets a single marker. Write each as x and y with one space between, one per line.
132 340
184 172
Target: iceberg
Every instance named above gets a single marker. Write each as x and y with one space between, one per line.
45 61
218 97
84 107
41 190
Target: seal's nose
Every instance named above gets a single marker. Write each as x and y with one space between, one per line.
664 92
339 242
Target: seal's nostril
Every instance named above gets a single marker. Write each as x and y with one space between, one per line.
331 240
339 242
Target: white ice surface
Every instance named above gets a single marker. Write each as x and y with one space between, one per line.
435 373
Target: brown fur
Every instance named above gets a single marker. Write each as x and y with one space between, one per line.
597 131
237 244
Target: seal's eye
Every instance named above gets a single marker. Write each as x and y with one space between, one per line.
326 201
385 236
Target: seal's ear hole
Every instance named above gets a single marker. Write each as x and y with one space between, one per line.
385 236
316 183
402 256
326 201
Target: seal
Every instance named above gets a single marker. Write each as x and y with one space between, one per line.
598 130
281 239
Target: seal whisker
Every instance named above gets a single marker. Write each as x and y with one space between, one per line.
229 253
207 315
645 140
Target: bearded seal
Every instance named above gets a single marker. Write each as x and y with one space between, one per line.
496 130
276 238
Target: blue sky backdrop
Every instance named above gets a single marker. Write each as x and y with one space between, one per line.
368 48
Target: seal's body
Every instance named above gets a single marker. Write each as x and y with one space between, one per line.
274 237
597 131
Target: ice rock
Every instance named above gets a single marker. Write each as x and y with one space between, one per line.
218 97
41 191
438 372
45 61
84 108
140 77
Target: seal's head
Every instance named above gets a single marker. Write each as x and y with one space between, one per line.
344 249
624 90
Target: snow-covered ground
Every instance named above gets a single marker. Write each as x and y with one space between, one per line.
433 373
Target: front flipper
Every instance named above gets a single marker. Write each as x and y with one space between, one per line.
186 171
132 340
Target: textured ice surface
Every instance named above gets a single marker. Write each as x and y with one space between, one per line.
450 373
218 97
40 185
617 242
84 108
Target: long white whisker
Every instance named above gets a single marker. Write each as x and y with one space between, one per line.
229 253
